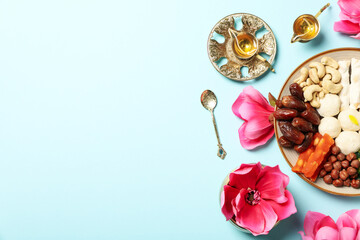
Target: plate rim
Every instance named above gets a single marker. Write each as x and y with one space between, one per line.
276 125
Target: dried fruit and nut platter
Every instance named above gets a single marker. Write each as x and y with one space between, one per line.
318 121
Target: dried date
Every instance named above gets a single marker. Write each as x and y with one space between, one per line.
293 102
296 91
305 144
291 133
311 116
302 124
285 142
285 114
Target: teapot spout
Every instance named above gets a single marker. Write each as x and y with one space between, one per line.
295 38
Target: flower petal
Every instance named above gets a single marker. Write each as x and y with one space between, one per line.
343 16
271 183
311 219
305 237
269 214
345 220
345 26
357 36
245 176
276 169
255 128
271 187
249 143
227 196
251 218
286 209
355 214
257 97
250 104
327 233
325 222
350 8
348 233
239 202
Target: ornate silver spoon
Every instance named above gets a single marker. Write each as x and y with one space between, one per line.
209 101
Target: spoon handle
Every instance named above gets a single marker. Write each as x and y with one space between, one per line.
221 151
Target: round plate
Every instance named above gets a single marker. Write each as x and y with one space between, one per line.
232 69
291 155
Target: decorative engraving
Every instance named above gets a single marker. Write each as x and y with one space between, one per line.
223 25
231 69
251 24
216 50
267 44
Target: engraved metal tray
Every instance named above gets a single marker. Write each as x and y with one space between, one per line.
232 69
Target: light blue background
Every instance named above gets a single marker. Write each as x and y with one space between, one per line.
102 134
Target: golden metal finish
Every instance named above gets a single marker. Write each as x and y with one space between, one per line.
209 101
232 69
310 20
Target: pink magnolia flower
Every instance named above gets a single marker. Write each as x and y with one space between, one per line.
255 110
256 198
317 226
349 18
349 225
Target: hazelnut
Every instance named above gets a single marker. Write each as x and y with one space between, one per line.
335 150
355 183
340 156
343 174
328 166
338 183
351 156
337 165
347 182
351 171
328 179
345 164
355 163
334 174
322 173
332 159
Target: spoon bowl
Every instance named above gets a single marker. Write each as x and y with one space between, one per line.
208 100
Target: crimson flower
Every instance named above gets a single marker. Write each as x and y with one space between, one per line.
256 198
255 110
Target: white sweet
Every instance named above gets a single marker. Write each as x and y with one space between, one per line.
329 105
345 82
331 126
348 142
355 84
345 121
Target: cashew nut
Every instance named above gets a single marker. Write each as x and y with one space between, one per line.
327 77
322 94
328 61
303 84
309 82
314 75
304 73
310 90
331 87
315 103
319 67
335 74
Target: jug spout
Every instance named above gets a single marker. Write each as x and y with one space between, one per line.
295 38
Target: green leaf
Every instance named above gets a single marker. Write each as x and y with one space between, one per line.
272 100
